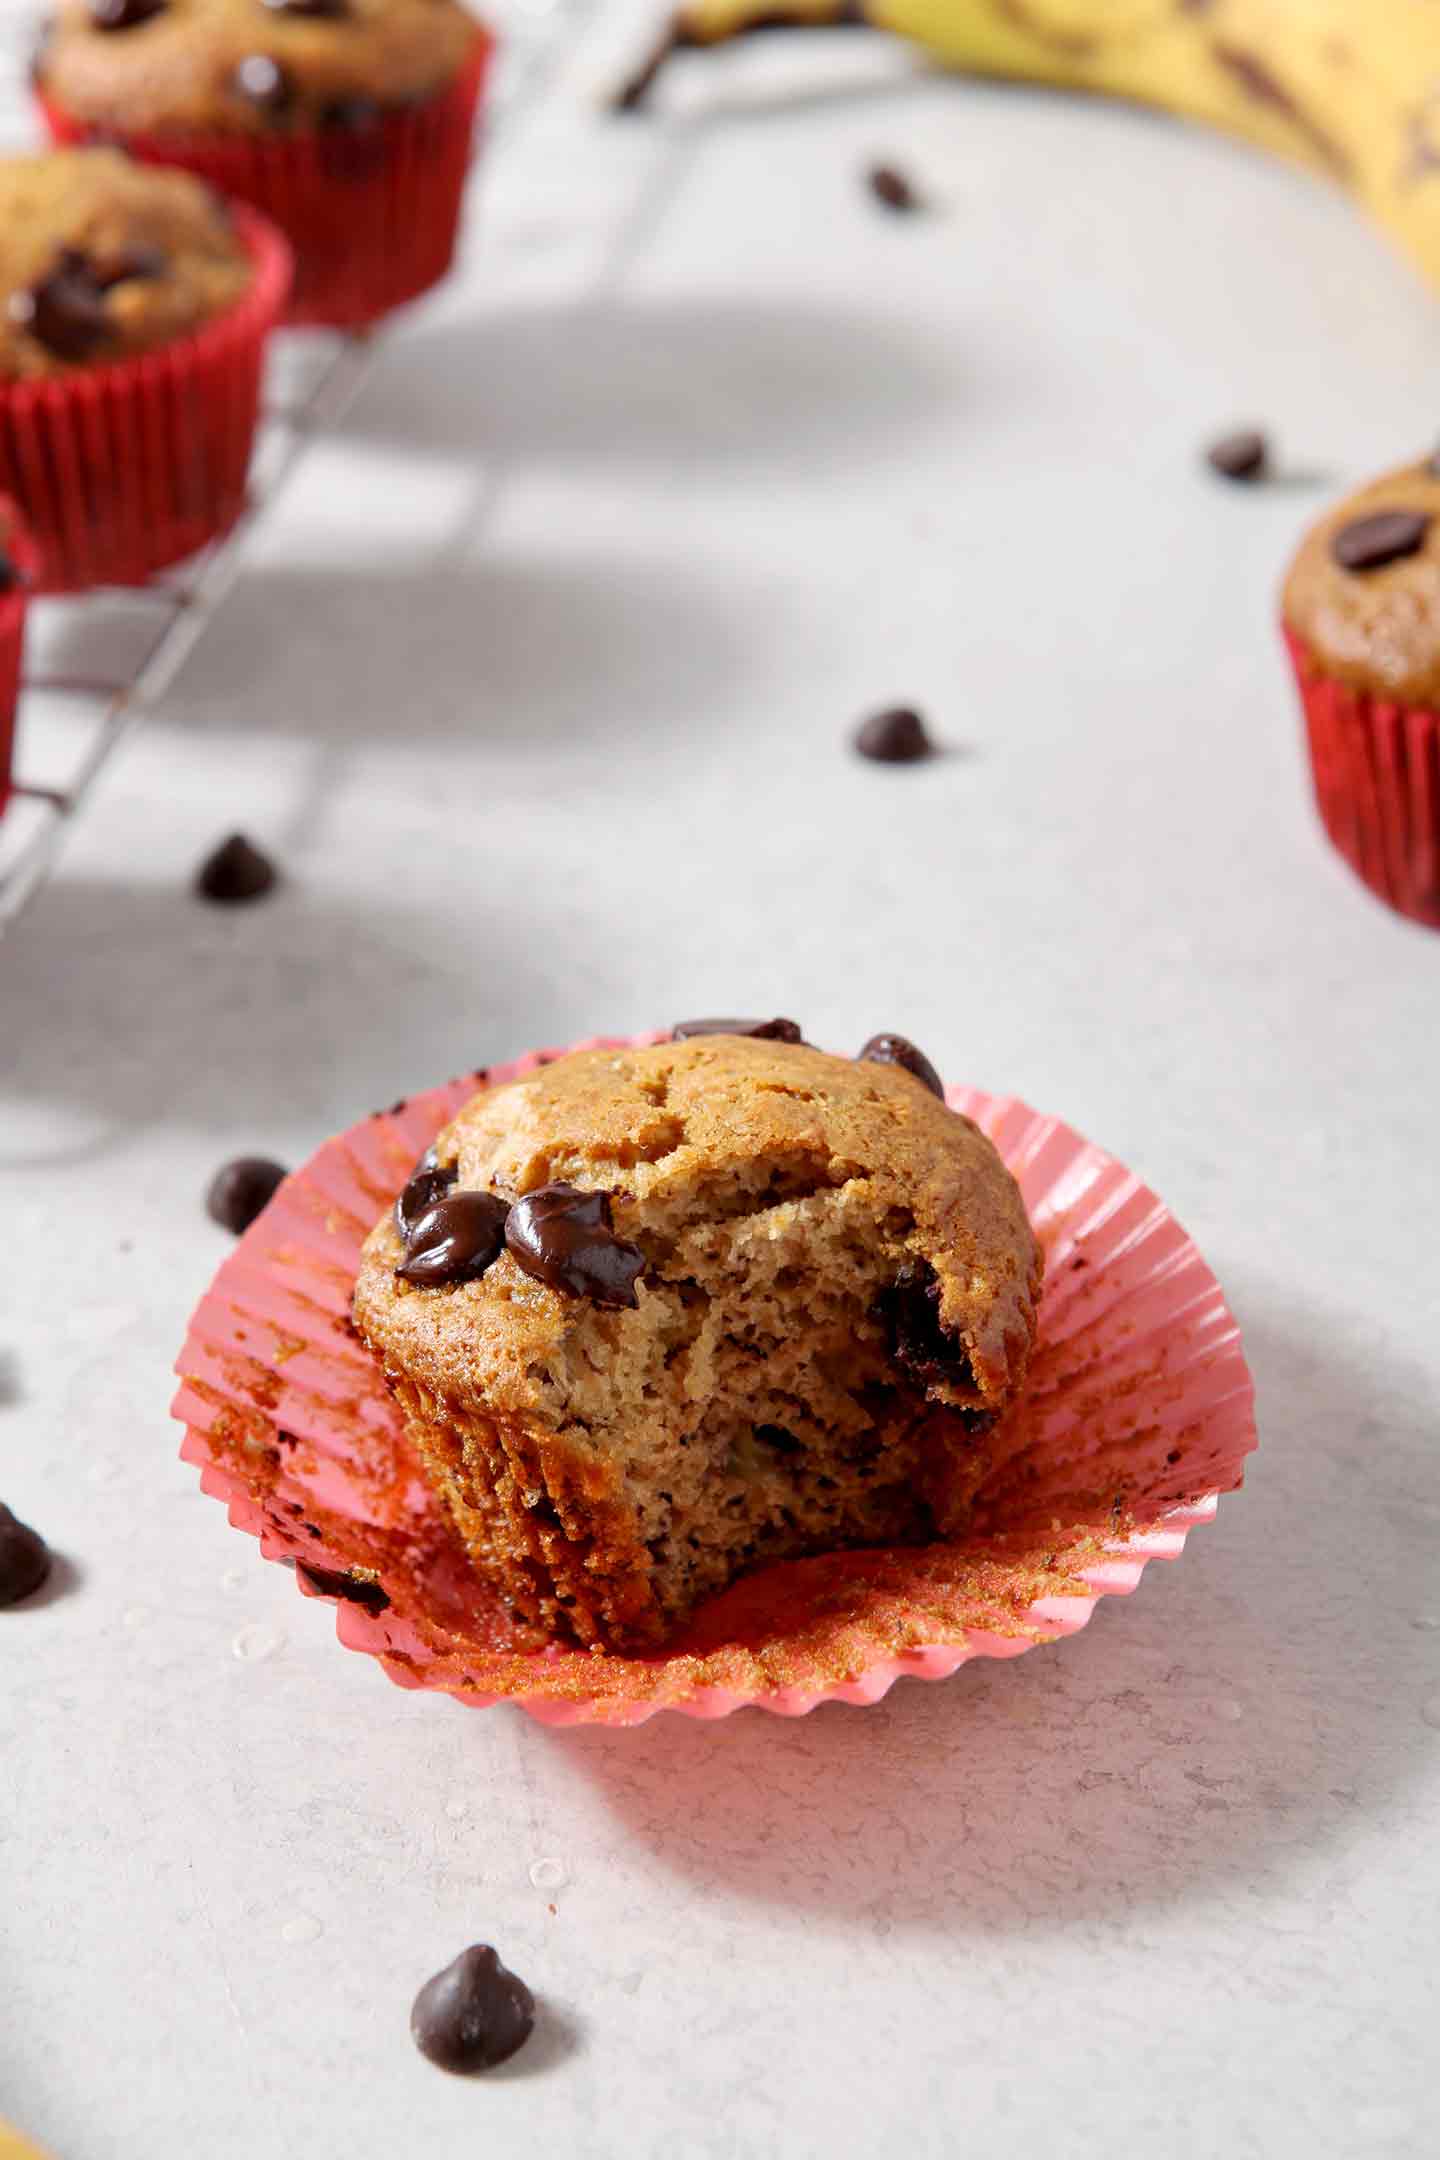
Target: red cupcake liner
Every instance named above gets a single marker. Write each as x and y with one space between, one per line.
371 213
1138 1413
129 466
1376 767
20 550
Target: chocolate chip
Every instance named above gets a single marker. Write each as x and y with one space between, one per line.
909 1312
1241 456
263 82
235 872
899 1050
140 262
1386 536
895 737
563 1237
429 1182
355 1589
786 1031
322 10
776 1437
454 1240
124 14
473 2015
24 1559
65 311
241 1190
352 113
890 186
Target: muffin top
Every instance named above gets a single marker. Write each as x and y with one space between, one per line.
246 66
101 258
710 1130
1363 592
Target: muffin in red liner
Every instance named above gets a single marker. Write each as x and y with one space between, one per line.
125 466
1361 621
19 567
1138 1412
371 209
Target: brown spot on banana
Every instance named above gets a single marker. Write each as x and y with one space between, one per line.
1259 81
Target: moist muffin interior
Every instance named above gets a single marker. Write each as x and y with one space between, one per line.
615 1465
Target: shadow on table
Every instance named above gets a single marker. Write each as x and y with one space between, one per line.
1233 1726
504 651
160 1010
673 384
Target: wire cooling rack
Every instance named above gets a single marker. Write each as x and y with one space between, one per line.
324 372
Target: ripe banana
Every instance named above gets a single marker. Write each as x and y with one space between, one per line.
1351 87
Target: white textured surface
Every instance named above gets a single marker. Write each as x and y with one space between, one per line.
539 683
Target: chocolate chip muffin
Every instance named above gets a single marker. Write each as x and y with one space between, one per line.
349 124
656 1317
101 259
202 67
1361 613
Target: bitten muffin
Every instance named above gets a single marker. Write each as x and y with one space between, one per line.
202 67
656 1317
1361 613
101 259
347 123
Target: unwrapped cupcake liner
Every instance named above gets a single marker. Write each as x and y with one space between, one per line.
1376 768
371 212
130 465
1138 1413
19 549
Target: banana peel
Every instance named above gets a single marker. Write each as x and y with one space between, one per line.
1350 88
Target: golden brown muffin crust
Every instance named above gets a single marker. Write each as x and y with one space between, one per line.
178 70
87 216
1378 630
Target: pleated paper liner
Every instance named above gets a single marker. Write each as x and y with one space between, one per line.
131 465
1376 767
1139 1412
19 551
371 211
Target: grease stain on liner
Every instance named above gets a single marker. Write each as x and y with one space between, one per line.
301 1928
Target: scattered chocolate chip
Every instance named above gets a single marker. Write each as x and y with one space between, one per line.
24 1559
786 1031
241 1190
1386 536
776 1437
1241 456
124 14
355 1589
896 737
322 10
235 872
65 311
898 1050
563 1237
263 82
890 186
909 1312
454 1240
429 1182
473 2015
